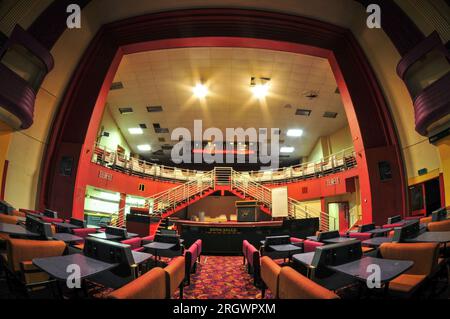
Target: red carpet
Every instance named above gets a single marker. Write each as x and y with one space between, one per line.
221 277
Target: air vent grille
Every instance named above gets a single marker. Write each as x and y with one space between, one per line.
116 86
125 110
303 112
154 109
330 115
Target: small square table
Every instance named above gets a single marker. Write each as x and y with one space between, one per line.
67 238
290 249
376 241
16 230
155 246
379 231
105 236
338 240
56 266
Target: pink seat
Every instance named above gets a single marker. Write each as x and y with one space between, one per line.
295 240
310 245
135 243
393 225
83 232
360 236
199 248
245 245
253 259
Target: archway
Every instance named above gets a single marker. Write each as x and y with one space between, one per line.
372 128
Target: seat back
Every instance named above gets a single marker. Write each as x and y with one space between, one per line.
190 256
394 219
424 255
366 227
360 236
270 272
439 226
199 244
135 243
77 222
8 219
245 245
295 240
426 220
175 274
310 245
22 250
277 240
293 285
328 235
151 285
116 231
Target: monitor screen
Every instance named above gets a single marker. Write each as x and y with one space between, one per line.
117 231
366 228
328 235
394 219
409 230
78 222
50 213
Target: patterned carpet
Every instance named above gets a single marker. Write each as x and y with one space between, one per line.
221 277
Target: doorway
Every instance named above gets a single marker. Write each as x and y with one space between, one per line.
339 216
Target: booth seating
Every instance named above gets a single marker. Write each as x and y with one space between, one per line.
425 258
286 283
158 283
191 256
443 225
135 243
18 261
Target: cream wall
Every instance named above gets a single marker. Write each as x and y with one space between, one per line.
328 145
27 146
115 134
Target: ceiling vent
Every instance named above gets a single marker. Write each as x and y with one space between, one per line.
303 112
125 110
156 125
330 115
167 147
162 139
116 86
337 91
161 130
313 94
143 126
154 109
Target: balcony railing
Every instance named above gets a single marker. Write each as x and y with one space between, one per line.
332 164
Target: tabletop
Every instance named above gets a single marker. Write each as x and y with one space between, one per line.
159 246
16 230
285 247
379 230
305 259
338 240
67 238
105 236
67 225
57 266
376 241
359 269
431 237
313 238
140 257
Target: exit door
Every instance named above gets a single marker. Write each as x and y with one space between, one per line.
339 216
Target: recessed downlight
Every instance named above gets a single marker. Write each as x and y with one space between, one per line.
287 149
294 133
135 131
144 148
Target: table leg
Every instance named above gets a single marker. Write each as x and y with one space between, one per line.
156 258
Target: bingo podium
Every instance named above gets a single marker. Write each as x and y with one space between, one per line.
247 211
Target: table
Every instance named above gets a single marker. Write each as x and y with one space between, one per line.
67 238
305 259
313 238
441 237
139 259
379 231
66 226
338 240
16 230
155 246
376 241
286 248
106 236
56 266
390 269
93 226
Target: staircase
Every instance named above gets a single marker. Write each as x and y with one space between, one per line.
241 184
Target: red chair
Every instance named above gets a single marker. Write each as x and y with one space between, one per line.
360 236
51 220
190 257
310 245
199 248
83 233
135 243
245 244
295 240
253 264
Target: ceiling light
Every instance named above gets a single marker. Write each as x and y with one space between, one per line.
287 149
260 91
144 147
135 131
200 91
294 132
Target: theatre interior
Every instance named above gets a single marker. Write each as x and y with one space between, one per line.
210 149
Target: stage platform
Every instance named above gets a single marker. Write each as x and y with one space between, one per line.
226 238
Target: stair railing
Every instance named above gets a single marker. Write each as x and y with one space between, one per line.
249 188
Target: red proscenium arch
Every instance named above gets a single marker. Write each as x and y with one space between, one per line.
370 121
